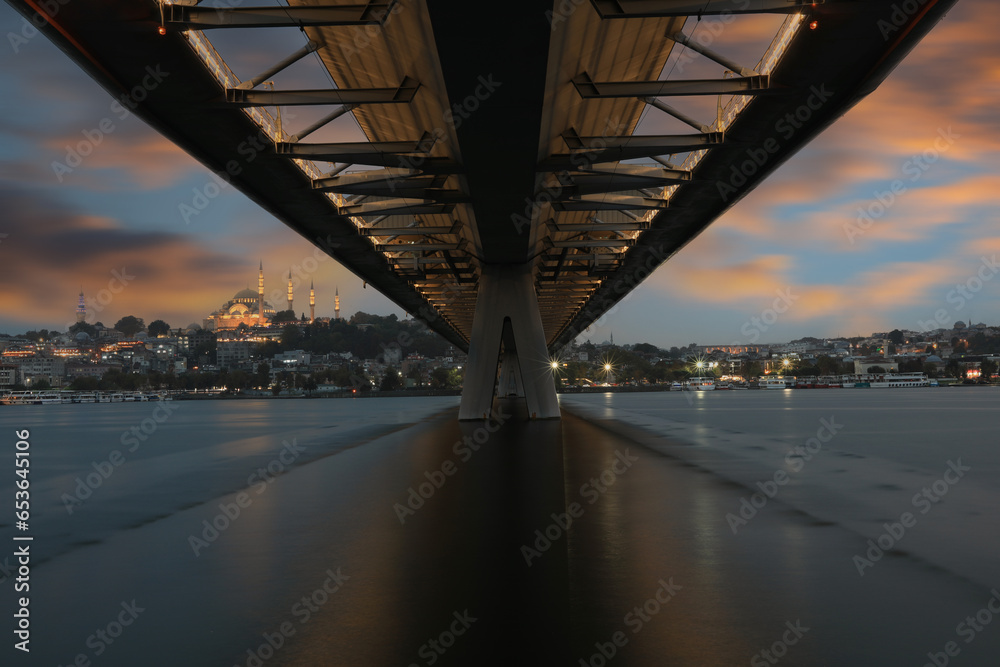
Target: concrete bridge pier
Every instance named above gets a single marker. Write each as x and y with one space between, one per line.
507 325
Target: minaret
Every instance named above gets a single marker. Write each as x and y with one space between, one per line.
290 291
312 303
336 303
81 308
260 295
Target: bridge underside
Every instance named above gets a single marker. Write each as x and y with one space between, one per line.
506 188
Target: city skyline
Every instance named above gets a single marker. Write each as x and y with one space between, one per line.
917 158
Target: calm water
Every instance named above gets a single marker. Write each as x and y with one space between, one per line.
313 549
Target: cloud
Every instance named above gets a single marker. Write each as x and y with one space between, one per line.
51 248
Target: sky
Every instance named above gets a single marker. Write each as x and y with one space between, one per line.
823 248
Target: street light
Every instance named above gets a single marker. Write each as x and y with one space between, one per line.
555 365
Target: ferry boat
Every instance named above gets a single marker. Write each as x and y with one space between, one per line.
777 382
893 381
676 386
21 398
701 384
86 397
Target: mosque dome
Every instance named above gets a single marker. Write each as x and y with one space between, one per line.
245 294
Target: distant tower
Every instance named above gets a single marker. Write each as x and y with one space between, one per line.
312 302
81 308
290 291
336 303
260 295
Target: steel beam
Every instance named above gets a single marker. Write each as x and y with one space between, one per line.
605 149
747 85
204 18
417 247
669 175
409 231
273 98
623 9
396 207
602 227
609 202
591 243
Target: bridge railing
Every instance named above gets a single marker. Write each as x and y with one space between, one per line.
738 103
260 115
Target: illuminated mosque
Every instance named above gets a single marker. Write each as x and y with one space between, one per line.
249 307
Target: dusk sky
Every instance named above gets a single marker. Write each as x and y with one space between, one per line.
798 233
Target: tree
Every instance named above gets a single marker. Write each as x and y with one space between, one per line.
310 384
439 377
988 369
930 368
645 348
390 381
88 329
284 316
827 365
896 337
158 328
41 384
752 371
290 335
130 325
876 370
84 383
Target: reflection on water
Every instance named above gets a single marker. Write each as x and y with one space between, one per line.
448 543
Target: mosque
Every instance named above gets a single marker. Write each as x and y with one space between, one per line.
249 307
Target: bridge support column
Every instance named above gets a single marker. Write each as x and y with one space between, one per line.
507 320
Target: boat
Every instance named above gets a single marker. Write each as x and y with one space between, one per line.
777 382
900 380
677 386
700 384
86 397
21 398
